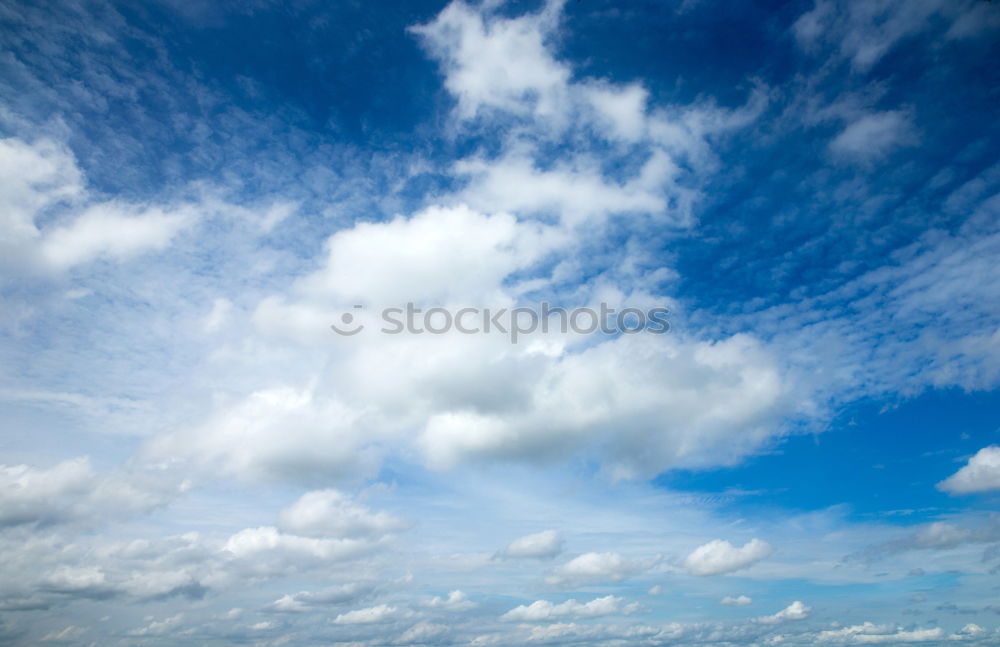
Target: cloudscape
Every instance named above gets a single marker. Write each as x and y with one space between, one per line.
499 323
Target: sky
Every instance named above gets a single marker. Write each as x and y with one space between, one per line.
198 198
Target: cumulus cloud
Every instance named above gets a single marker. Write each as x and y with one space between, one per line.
272 434
980 474
719 556
501 67
44 174
370 615
617 396
543 610
637 404
794 611
440 255
642 403
267 542
541 545
497 63
330 513
309 600
575 190
73 491
455 601
598 567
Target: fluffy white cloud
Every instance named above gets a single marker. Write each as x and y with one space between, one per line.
42 175
456 601
541 545
500 67
73 491
648 401
330 513
719 556
794 611
576 191
623 109
980 474
309 600
268 542
112 230
273 433
598 567
543 610
642 402
441 255
369 615
34 176
495 63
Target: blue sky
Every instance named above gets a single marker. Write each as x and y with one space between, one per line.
193 192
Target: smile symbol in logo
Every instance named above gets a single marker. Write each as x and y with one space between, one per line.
347 318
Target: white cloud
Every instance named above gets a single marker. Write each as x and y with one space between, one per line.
496 63
875 135
738 601
719 556
369 615
42 175
541 545
221 312
592 568
268 542
73 491
112 230
543 610
272 433
794 611
623 109
456 601
441 255
263 625
159 627
577 191
309 600
715 403
864 32
32 177
980 474
869 634
330 513
422 633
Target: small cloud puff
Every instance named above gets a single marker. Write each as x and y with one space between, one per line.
980 474
542 545
738 601
719 556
